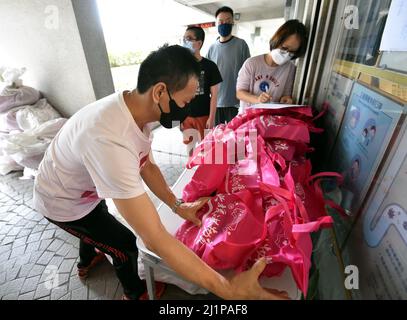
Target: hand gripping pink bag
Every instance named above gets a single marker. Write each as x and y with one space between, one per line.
232 229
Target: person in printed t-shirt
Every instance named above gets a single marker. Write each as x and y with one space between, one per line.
202 109
270 77
104 151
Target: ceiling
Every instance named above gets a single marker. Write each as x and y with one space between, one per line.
250 10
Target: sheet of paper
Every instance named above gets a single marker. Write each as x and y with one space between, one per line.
275 106
395 32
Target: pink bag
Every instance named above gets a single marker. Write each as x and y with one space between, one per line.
232 228
267 204
288 149
247 173
205 181
282 127
282 246
308 188
250 114
213 148
295 248
244 175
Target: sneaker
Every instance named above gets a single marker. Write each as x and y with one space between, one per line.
83 272
159 291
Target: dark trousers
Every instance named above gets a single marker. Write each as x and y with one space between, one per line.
99 229
225 115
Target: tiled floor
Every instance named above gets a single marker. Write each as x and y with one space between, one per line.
33 251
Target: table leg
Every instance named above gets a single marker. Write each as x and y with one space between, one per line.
150 280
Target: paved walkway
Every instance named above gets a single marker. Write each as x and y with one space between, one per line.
32 250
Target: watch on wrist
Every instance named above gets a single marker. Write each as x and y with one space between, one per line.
178 202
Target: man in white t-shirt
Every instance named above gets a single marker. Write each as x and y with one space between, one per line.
104 151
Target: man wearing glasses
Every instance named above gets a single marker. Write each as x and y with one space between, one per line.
229 53
202 109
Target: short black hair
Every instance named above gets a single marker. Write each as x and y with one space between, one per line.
198 32
224 9
288 29
173 65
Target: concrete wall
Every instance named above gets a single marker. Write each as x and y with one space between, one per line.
61 44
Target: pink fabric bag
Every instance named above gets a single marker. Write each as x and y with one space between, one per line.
213 148
288 149
232 228
308 189
250 114
266 205
282 127
246 174
283 249
205 181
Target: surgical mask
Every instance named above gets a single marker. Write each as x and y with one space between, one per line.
225 29
280 57
189 45
176 114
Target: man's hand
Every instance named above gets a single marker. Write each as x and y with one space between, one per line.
264 98
210 123
286 100
188 210
245 285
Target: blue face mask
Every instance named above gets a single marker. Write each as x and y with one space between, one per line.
225 29
189 45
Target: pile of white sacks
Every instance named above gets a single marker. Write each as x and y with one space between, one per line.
28 123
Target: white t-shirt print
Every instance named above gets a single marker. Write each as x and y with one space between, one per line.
98 154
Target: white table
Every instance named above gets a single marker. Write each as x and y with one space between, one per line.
171 222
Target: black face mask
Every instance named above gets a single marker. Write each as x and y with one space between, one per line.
176 114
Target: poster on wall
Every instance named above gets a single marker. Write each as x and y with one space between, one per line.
367 128
378 244
336 101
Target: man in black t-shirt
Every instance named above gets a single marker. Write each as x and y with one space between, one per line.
202 109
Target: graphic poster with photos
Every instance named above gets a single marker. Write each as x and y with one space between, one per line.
366 131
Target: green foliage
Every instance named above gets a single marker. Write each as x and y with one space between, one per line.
125 59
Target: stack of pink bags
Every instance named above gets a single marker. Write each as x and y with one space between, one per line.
265 202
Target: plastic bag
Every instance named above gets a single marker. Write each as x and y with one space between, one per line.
8 121
11 76
30 117
7 165
28 148
11 97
